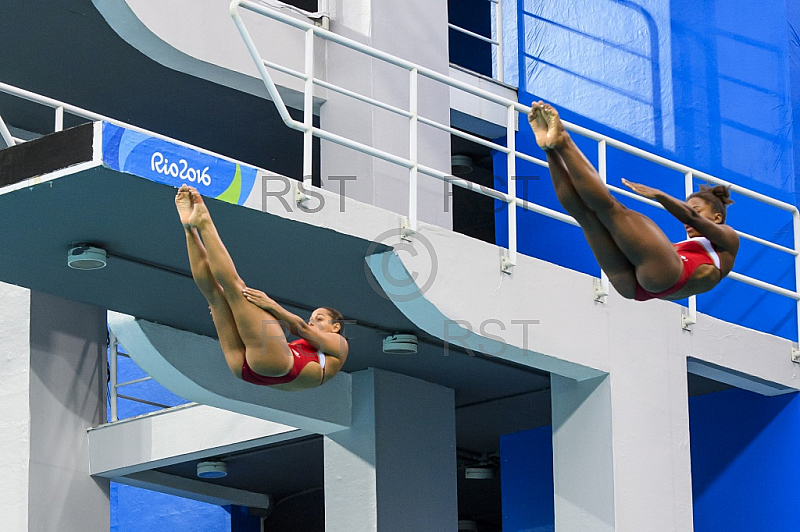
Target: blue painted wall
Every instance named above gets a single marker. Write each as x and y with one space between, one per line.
793 30
139 510
745 465
526 473
709 85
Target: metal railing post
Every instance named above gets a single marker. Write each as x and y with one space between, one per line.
308 112
602 289
112 375
511 157
498 37
796 230
6 134
59 118
324 8
413 148
690 318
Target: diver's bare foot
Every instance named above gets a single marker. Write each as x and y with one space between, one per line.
547 126
200 215
183 201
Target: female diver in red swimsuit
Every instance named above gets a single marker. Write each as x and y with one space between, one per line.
640 261
248 322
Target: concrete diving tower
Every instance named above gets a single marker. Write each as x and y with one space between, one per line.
618 371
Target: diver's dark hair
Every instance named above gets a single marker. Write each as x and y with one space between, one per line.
337 318
718 197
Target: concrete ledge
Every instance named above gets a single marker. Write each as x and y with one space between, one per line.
545 316
457 329
742 357
193 367
176 435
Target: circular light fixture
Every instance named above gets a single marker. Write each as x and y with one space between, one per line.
479 473
461 164
212 469
86 257
400 344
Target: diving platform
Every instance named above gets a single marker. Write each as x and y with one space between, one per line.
113 188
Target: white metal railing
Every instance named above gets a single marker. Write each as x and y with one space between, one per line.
114 386
495 41
61 108
412 164
6 134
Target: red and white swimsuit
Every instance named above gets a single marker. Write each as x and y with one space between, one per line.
693 252
302 353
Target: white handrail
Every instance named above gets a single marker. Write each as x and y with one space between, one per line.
112 374
113 385
475 91
513 107
472 34
96 117
412 165
8 138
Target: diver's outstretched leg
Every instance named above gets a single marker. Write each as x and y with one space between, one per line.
642 242
266 349
613 262
231 343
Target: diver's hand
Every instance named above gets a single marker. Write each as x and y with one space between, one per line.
259 299
642 190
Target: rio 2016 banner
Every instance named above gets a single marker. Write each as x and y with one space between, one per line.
165 162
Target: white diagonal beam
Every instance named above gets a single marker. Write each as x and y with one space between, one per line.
193 367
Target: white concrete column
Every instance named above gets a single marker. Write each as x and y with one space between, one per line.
621 458
583 469
14 406
422 40
650 424
67 395
395 469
